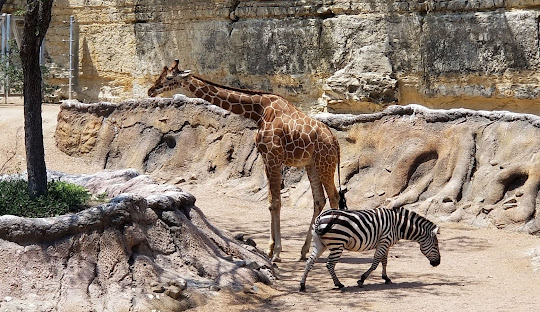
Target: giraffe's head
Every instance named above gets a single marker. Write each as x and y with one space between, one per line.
168 80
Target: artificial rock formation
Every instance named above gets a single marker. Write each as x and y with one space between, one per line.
149 249
471 166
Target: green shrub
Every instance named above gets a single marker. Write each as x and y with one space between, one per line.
61 198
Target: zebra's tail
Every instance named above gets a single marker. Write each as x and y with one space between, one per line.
321 229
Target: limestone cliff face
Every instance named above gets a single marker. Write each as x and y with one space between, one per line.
337 55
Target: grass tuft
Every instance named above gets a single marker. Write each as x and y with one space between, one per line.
61 198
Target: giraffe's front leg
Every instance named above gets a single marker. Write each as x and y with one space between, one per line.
274 197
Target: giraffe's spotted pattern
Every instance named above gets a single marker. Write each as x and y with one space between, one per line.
286 136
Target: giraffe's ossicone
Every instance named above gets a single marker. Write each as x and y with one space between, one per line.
285 136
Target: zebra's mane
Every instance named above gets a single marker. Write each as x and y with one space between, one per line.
417 220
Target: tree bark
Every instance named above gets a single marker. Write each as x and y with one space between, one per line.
36 23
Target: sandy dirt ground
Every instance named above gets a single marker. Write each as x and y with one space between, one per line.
481 269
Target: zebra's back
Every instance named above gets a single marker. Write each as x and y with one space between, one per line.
356 230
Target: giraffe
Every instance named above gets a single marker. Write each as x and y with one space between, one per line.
285 136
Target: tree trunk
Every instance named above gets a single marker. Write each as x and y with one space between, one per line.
36 23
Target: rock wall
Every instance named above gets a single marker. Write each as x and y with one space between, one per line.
338 55
149 249
470 166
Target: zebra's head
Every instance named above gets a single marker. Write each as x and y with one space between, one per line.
429 245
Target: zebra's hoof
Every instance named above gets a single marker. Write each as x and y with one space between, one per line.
339 286
360 283
302 287
387 281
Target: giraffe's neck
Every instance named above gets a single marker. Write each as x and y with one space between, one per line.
249 104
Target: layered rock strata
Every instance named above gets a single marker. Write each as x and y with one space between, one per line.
337 56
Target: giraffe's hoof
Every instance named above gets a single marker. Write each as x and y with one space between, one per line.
276 259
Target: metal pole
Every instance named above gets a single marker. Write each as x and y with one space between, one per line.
3 34
71 69
3 56
8 51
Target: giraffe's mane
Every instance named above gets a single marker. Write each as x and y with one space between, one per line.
250 92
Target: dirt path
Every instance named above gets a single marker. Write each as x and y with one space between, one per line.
481 269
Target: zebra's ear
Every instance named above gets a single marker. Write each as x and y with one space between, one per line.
435 231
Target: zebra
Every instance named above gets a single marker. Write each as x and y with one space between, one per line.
359 230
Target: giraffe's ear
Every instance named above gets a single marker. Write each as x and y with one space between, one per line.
163 73
175 65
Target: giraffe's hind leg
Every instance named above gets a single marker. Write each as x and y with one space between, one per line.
318 205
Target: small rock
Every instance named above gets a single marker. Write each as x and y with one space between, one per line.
478 199
179 180
178 282
214 288
228 258
511 201
493 162
519 193
251 290
158 288
239 237
369 194
8 298
252 264
251 242
381 192
486 210
251 248
173 292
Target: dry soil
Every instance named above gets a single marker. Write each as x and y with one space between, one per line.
481 269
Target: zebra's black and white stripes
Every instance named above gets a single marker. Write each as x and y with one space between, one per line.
359 230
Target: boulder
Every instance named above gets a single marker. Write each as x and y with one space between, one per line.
149 248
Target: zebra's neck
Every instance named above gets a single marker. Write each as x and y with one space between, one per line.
412 226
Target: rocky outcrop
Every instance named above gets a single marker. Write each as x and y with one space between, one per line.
177 140
339 55
470 166
150 248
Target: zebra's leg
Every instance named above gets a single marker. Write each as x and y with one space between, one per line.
333 258
384 261
380 252
318 249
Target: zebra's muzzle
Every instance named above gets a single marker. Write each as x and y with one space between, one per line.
435 262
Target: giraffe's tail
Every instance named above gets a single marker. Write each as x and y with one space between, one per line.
342 204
